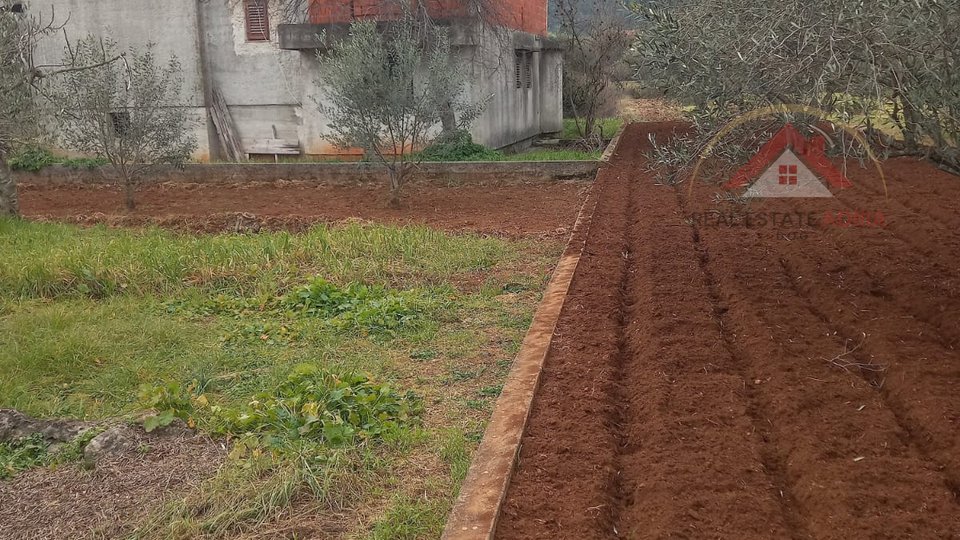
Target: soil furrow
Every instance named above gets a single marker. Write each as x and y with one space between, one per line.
863 360
692 463
773 462
565 482
840 442
710 381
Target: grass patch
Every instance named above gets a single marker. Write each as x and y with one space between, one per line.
607 127
406 334
554 155
52 260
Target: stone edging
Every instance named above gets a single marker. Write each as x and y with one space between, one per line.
477 509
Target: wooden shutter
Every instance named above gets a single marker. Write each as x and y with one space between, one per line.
258 22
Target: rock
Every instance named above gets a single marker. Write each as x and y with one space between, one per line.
112 443
14 425
246 224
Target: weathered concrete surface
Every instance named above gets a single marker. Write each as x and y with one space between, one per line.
272 93
333 173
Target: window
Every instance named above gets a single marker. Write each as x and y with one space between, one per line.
788 175
257 20
121 122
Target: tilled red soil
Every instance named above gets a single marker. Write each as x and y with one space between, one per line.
504 209
715 381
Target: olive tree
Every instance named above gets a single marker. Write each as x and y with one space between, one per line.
889 67
20 80
16 100
386 87
131 113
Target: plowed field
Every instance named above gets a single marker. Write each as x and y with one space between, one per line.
710 379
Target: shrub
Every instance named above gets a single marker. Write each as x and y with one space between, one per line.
459 146
32 159
171 401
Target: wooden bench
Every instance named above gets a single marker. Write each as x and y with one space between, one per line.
274 147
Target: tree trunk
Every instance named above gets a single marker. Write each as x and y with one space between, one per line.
9 203
589 123
129 189
396 182
448 119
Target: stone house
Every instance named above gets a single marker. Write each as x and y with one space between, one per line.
264 71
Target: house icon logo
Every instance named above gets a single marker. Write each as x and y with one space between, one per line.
789 166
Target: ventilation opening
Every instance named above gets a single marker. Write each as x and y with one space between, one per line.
257 20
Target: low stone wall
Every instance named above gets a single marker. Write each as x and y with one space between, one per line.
332 173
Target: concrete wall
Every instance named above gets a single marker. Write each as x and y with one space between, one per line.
134 23
272 93
513 115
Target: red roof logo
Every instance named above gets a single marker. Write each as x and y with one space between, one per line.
790 165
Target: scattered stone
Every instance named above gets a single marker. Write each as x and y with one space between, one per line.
247 224
14 425
116 441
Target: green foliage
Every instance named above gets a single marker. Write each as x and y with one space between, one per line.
459 146
554 155
66 352
388 86
334 409
356 306
21 455
33 159
171 401
856 61
84 162
131 113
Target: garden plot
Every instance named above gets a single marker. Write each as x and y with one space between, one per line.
751 382
331 382
501 208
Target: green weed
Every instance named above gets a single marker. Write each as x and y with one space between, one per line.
21 455
54 260
608 127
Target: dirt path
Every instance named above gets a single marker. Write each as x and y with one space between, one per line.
728 382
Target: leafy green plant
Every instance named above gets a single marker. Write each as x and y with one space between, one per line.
458 146
31 159
21 455
356 306
171 401
316 404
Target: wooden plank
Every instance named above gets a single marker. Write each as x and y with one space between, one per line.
226 129
273 146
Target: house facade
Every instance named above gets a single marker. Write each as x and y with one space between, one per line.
241 58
